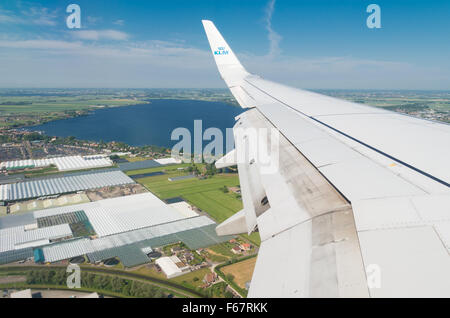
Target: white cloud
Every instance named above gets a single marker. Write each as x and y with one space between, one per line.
96 35
6 18
39 62
93 20
41 45
47 63
30 15
274 37
119 22
146 52
40 16
347 72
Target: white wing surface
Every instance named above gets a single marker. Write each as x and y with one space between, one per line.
359 205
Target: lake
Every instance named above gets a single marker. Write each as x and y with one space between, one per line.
148 124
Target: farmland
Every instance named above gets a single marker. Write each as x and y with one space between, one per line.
206 194
35 107
242 271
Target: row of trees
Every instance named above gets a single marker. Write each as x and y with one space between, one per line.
209 170
110 283
229 278
218 290
21 137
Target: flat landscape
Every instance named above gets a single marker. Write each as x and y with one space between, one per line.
434 105
206 194
213 194
241 271
25 107
30 107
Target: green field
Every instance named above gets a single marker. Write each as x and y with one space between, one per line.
33 109
204 194
42 104
102 280
223 249
170 168
192 279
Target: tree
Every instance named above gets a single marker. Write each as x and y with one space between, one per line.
228 294
33 136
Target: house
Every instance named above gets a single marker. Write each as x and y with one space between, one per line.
236 250
246 246
236 190
210 278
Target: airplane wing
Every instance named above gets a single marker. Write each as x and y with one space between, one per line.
354 200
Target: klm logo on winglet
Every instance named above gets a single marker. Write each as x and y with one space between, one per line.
221 51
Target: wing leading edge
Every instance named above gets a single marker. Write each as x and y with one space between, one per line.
350 203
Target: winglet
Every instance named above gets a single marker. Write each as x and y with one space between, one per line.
229 66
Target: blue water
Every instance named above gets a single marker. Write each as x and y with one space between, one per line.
148 124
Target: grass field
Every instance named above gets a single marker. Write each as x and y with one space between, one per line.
34 109
241 271
172 168
148 271
192 279
41 104
204 194
254 238
222 249
134 159
215 257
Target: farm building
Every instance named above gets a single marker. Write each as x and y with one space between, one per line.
210 278
126 227
178 178
236 250
62 163
184 208
167 161
57 185
144 164
171 266
246 246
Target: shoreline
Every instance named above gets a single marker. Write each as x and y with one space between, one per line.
109 138
87 112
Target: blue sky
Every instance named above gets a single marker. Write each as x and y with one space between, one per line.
309 44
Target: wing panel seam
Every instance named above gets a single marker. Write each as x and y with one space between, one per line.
356 140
